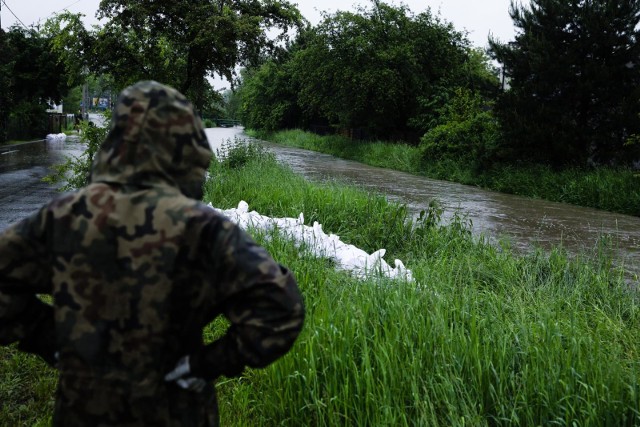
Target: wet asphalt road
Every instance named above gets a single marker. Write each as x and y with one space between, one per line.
22 168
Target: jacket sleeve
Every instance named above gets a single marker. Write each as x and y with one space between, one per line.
263 304
25 273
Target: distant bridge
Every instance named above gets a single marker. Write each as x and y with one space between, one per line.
226 123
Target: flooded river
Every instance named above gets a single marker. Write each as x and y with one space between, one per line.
522 221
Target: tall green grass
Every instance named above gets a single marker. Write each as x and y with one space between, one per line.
483 337
27 388
612 189
398 156
368 221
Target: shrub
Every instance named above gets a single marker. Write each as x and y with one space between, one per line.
237 153
468 132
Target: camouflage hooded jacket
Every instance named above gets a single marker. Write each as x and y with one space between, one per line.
137 267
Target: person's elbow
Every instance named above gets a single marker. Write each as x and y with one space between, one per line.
277 325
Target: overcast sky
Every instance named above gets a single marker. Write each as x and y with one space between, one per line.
478 17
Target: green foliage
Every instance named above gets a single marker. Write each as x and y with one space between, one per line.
75 172
488 339
468 132
485 337
246 170
368 69
27 387
380 70
268 97
481 74
30 77
179 43
612 189
238 153
71 102
71 41
396 156
27 120
232 104
575 83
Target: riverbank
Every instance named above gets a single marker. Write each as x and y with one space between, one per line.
614 190
482 337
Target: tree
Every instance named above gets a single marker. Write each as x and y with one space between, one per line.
467 133
72 44
232 103
269 97
180 43
574 73
381 69
30 79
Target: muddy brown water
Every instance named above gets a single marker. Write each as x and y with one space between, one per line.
525 223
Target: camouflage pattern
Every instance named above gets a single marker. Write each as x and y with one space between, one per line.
137 268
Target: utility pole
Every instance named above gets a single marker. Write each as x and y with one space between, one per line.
85 101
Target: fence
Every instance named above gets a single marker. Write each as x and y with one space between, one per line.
25 127
57 123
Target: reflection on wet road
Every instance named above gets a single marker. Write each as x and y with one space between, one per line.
22 168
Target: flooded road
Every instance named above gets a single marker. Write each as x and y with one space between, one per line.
524 222
22 167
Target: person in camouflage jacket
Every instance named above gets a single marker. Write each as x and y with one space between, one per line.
137 267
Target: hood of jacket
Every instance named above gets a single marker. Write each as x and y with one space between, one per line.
155 139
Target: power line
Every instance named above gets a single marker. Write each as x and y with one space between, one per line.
55 13
14 15
65 8
19 20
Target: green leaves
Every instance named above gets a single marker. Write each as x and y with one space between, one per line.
30 77
180 43
72 43
75 172
367 71
574 80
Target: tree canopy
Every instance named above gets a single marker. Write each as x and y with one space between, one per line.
30 79
381 69
575 80
181 43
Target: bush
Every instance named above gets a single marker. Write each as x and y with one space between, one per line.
468 132
27 120
237 153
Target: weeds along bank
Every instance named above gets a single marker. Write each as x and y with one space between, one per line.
614 190
482 337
